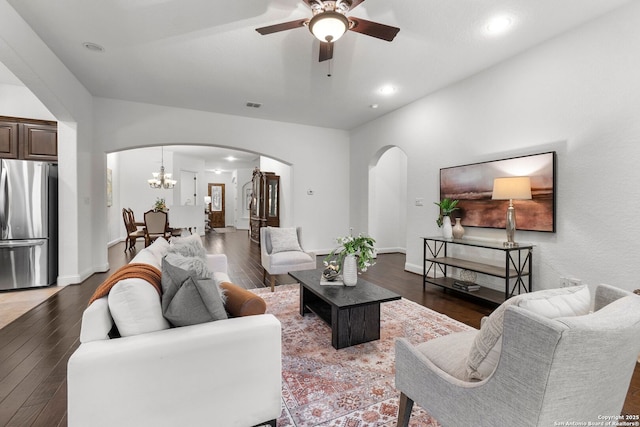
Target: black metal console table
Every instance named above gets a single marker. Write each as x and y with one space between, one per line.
516 269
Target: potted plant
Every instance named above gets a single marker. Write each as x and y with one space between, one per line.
447 206
353 254
160 205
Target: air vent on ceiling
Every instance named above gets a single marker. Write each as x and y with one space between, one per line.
254 104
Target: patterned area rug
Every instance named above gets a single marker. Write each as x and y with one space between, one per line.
354 386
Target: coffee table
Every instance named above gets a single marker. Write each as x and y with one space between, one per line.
353 312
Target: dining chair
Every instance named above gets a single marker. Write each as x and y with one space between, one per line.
155 225
133 232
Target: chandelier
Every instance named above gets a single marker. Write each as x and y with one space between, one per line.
161 179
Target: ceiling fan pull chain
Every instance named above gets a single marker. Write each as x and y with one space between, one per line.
330 66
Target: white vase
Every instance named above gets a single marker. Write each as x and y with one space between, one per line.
447 230
458 230
349 270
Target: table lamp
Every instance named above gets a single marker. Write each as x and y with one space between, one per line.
511 188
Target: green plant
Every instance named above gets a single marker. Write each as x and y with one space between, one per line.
362 246
160 204
446 207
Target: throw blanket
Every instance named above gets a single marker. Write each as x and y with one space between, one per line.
130 271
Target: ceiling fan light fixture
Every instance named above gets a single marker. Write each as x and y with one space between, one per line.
328 26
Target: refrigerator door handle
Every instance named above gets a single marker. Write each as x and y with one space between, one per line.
3 196
22 243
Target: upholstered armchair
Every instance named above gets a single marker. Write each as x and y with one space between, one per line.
281 252
558 369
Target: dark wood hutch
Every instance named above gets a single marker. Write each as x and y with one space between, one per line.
265 202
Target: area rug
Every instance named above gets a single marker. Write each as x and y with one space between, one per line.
354 386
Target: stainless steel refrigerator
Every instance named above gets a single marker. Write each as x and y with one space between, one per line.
28 224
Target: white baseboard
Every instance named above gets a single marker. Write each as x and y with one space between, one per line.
413 268
76 278
397 250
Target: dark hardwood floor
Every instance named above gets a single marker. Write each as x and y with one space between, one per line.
34 349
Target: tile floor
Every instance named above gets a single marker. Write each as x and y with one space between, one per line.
14 304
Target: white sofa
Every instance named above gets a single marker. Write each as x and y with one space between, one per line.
222 373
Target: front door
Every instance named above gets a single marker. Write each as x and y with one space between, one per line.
216 207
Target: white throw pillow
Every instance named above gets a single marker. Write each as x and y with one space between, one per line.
153 253
551 303
284 239
136 308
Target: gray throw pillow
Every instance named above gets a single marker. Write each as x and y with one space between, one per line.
188 246
188 300
284 239
191 263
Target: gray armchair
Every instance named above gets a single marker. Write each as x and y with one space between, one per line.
284 253
550 370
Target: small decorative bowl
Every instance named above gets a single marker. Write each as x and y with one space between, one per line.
330 274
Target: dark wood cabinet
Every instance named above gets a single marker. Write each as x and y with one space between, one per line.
28 139
265 202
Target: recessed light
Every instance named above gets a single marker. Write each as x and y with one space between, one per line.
230 158
217 171
93 47
499 24
387 90
374 106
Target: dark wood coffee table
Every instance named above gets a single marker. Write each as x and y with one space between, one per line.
353 312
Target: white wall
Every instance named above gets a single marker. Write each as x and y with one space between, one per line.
18 101
319 157
578 95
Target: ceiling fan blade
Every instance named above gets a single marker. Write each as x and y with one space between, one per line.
373 29
282 27
355 3
326 51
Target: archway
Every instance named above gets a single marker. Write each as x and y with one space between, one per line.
388 199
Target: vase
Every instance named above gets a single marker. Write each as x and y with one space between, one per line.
458 230
349 270
447 230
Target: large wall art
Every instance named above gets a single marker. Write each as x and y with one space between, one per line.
473 184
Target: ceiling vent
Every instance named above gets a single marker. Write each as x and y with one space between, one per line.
254 104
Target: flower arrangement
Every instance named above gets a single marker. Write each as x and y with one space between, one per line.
447 206
362 246
160 204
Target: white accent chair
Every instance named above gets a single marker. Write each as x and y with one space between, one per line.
285 261
549 370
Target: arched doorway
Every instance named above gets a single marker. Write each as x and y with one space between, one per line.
388 199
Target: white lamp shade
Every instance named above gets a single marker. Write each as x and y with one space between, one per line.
328 26
207 200
512 188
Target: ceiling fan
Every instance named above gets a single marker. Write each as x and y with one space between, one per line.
330 22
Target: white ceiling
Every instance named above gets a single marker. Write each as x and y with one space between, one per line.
206 54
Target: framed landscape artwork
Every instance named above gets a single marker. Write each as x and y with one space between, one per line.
473 184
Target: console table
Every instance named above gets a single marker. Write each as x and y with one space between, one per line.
516 270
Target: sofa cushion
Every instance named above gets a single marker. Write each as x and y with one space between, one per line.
290 258
153 253
551 303
284 239
241 302
135 308
187 299
449 352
